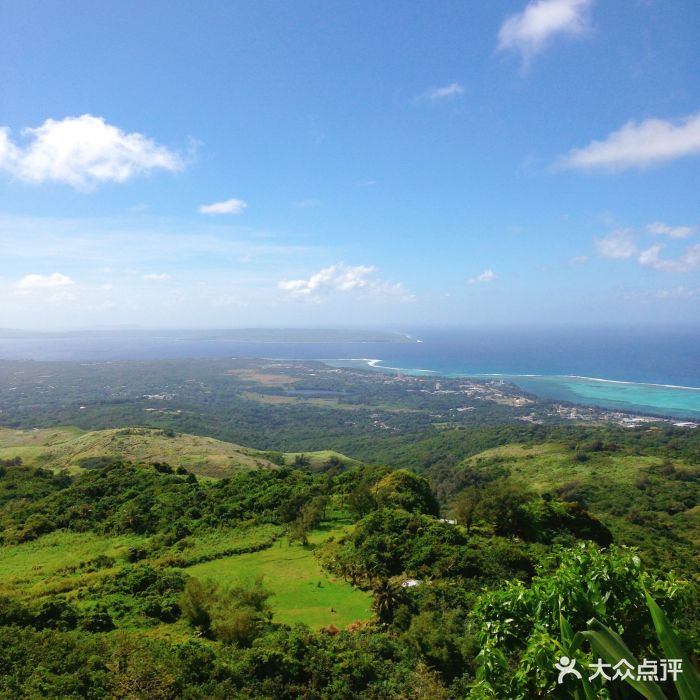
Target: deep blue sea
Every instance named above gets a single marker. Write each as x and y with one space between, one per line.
649 370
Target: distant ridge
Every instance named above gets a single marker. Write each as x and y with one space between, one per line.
74 449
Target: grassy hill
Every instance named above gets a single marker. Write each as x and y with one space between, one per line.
640 497
547 466
74 449
321 457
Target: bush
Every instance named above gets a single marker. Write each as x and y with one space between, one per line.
236 615
402 489
96 620
195 602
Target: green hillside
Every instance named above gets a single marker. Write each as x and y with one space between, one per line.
74 449
641 497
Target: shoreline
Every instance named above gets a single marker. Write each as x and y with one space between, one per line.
375 363
566 382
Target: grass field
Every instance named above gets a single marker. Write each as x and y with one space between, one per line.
44 566
302 590
58 563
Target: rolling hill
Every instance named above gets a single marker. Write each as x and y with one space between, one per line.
74 449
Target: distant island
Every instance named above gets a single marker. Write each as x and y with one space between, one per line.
243 335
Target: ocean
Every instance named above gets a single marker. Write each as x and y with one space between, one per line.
648 370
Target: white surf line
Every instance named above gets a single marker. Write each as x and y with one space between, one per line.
408 369
619 381
376 364
589 379
504 374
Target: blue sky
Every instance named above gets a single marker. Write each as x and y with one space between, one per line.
349 163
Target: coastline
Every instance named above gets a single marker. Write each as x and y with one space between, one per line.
645 398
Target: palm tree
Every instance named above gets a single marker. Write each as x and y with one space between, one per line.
387 597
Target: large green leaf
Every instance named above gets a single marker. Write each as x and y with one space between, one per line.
569 640
687 682
610 647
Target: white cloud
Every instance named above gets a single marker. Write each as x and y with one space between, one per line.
8 151
622 244
338 277
229 206
157 276
486 276
32 282
529 31
441 93
618 244
686 262
579 260
82 151
344 278
661 229
53 289
640 145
